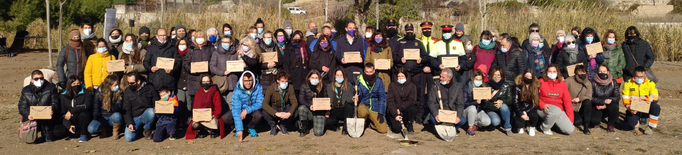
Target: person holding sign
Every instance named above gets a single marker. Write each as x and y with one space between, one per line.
96 67
401 102
272 58
555 105
417 68
589 36
372 96
448 49
580 89
322 59
209 97
379 49
225 80
246 106
161 48
639 90
452 97
77 108
307 109
526 100
107 108
571 55
350 42
342 95
605 96
166 122
132 55
296 60
473 111
199 54
280 104
40 93
511 59
499 104
138 102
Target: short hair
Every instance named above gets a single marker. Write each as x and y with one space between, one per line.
497 68
36 72
205 75
282 74
103 41
447 71
227 25
640 69
605 66
326 27
486 33
163 89
631 28
576 29
606 36
580 68
369 65
506 37
86 22
247 75
172 29
157 31
350 23
137 76
534 25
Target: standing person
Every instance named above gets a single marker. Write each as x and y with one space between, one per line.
207 96
510 59
160 47
526 100
372 98
96 67
416 68
246 106
227 31
378 49
311 35
201 51
555 105
41 93
571 55
77 114
637 53
107 108
459 33
451 96
173 35
181 33
289 29
485 53
575 32
605 96
166 122
580 89
640 88
296 61
392 33
559 46
499 105
260 28
466 70
88 37
182 90
270 69
132 55
450 47
473 111
431 49
249 52
401 102
350 43
225 81
536 58
144 38
280 104
592 62
534 28
311 89
115 41
212 37
326 30
138 103
613 55
322 59
369 32
75 64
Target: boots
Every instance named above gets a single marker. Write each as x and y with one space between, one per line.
147 134
303 128
103 132
115 129
410 129
214 133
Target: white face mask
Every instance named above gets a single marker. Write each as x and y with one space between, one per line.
368 35
200 40
38 83
87 31
182 47
470 47
552 76
561 39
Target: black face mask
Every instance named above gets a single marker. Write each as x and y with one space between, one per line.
76 40
391 32
181 35
115 37
582 76
409 36
297 40
77 88
314 31
603 76
426 33
631 38
133 87
205 86
527 81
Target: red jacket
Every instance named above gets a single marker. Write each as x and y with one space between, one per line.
556 93
210 99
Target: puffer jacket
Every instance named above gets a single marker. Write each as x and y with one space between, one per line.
73 63
217 65
610 91
135 102
512 62
81 102
468 96
31 95
522 106
375 97
616 62
505 94
453 98
160 77
306 95
97 111
563 60
320 58
96 69
401 96
195 55
243 99
268 75
638 53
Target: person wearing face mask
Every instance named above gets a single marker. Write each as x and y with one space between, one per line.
208 97
138 104
296 60
580 89
536 58
555 105
72 57
451 96
77 109
41 93
605 98
449 47
427 40
415 67
174 35
527 45
326 30
132 56
485 52
323 59
499 107
372 99
575 32
571 55
115 41
459 33
212 37
246 106
473 109
289 29
510 58
401 102
280 104
200 53
182 90
88 37
379 49
637 53
526 100
311 35
190 37
180 32
351 42
465 70
590 36
311 89
342 95
556 48
260 27
224 80
369 32
269 69
641 88
143 40
392 35
160 47
107 109
249 53
96 67
227 31
613 55
165 123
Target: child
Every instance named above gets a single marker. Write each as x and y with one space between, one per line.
166 121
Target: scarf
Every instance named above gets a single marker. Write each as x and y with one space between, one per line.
281 47
370 79
603 82
560 45
75 44
496 85
573 54
127 50
115 41
580 81
608 49
489 46
313 89
378 48
182 53
158 44
301 56
88 37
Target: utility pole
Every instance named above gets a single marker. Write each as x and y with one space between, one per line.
279 13
377 16
163 2
60 21
49 40
326 4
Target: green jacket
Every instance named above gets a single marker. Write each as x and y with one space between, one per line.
616 62
505 94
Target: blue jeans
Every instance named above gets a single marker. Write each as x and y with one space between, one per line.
115 118
462 121
146 119
506 116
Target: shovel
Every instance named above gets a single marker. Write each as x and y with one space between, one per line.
355 126
446 131
406 141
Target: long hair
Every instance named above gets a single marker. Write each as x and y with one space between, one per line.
319 85
107 95
478 72
496 69
378 32
136 56
559 77
529 92
69 89
344 84
251 43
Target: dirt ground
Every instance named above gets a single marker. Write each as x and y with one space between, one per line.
666 139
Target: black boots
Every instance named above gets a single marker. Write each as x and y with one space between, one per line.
303 128
410 129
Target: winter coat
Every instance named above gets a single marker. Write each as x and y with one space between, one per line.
96 69
80 102
184 74
306 94
375 97
321 58
468 96
276 99
160 78
135 102
296 67
527 46
243 99
128 60
195 55
555 92
212 100
217 65
522 106
73 63
512 62
268 74
484 58
616 62
505 93
411 65
563 60
637 54
97 111
554 52
602 92
401 96
455 98
46 95
345 98
342 46
385 75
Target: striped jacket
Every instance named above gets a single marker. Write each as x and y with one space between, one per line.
634 91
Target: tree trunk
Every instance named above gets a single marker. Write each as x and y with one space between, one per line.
49 39
60 21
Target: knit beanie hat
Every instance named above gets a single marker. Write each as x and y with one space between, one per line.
288 24
144 29
534 35
74 32
459 26
560 32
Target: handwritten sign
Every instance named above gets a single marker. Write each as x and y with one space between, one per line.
234 66
41 112
594 49
571 69
199 67
165 63
411 54
164 107
641 106
352 57
270 57
482 93
450 62
321 104
382 64
200 115
447 116
115 66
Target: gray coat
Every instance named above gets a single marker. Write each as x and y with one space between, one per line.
455 101
217 65
195 55
73 63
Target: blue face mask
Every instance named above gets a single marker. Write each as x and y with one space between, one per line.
639 81
253 35
267 41
447 35
504 50
212 38
225 46
589 40
485 42
611 40
283 85
129 45
115 89
260 30
339 80
443 83
172 37
227 33
541 45
478 83
289 31
402 81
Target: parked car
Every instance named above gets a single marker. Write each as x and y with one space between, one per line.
296 10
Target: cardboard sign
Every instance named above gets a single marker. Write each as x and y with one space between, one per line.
411 54
594 49
165 63
382 64
571 69
115 66
199 115
234 66
447 116
199 67
321 104
482 93
41 112
450 62
164 107
352 57
640 106
213 124
270 57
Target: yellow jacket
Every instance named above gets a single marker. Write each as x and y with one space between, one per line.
634 91
96 69
431 48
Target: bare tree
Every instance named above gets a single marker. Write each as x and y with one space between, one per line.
49 39
360 14
483 10
61 4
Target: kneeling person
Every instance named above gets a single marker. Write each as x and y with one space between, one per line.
372 95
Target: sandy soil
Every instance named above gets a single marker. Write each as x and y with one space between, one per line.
666 139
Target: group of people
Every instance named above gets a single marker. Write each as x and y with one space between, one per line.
529 81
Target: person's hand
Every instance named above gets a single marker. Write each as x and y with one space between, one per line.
326 115
437 119
478 101
498 104
278 114
128 69
240 53
72 129
575 100
398 118
457 68
403 60
226 72
633 111
343 60
243 114
380 117
51 113
325 69
154 69
286 115
271 64
68 115
419 60
592 56
600 107
311 107
30 117
442 67
427 69
131 128
355 98
240 134
536 61
525 116
546 109
644 99
607 101
168 71
457 120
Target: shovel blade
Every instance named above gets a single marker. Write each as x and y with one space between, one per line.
356 126
446 132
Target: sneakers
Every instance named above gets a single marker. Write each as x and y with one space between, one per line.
520 131
172 137
83 138
648 131
611 129
509 132
147 134
252 132
531 131
472 131
546 131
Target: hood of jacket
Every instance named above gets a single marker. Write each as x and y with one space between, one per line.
241 83
587 30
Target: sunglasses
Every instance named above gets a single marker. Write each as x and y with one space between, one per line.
572 42
36 79
534 30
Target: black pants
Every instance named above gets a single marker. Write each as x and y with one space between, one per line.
273 120
533 119
253 119
80 121
584 116
409 114
51 129
336 114
421 81
611 109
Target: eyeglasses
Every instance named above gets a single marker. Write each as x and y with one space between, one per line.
247 80
534 30
36 79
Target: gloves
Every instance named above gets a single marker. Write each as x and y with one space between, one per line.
380 117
